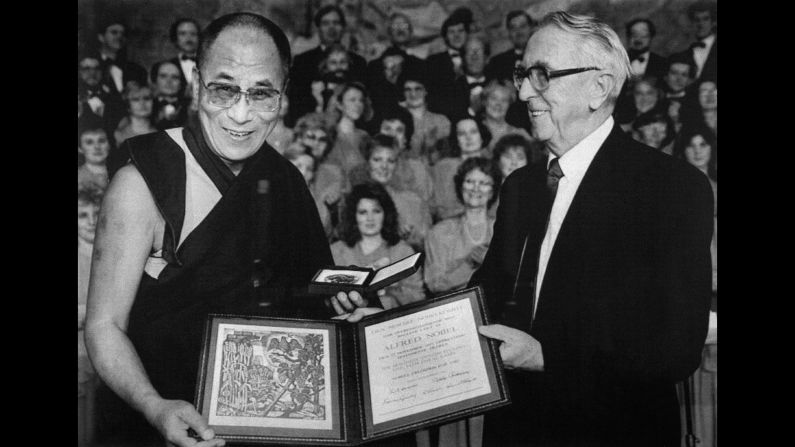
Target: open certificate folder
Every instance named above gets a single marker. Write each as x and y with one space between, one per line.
330 382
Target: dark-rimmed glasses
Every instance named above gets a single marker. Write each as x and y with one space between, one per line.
261 99
539 76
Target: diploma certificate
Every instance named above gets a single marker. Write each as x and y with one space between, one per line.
424 361
330 382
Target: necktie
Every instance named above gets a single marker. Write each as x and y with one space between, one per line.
698 44
554 173
185 57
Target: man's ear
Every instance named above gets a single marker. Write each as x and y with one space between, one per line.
601 87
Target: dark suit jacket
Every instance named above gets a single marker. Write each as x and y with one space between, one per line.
441 75
304 70
710 70
657 66
623 310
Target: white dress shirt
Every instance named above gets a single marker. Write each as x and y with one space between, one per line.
574 164
700 54
117 76
638 67
187 68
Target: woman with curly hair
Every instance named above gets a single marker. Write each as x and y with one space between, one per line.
455 247
369 237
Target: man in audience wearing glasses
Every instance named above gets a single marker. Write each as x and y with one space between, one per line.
598 273
204 219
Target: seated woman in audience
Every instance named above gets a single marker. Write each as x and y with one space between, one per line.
89 197
94 145
307 166
414 216
455 247
411 174
369 237
139 112
698 146
429 127
469 139
281 136
314 133
654 128
171 106
511 153
708 105
645 97
497 96
347 106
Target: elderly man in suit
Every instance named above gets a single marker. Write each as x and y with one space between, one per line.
599 269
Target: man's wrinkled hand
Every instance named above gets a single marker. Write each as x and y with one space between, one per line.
519 350
173 418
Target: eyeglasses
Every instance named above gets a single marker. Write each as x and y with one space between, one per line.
261 99
539 76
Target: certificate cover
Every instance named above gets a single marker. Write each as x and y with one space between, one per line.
330 382
332 279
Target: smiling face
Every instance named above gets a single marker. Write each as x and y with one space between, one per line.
497 104
94 146
468 136
352 104
168 80
246 58
369 217
698 152
86 220
187 37
476 189
560 113
382 163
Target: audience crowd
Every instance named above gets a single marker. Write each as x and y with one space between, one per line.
401 154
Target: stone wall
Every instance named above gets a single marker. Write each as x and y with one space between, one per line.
149 20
